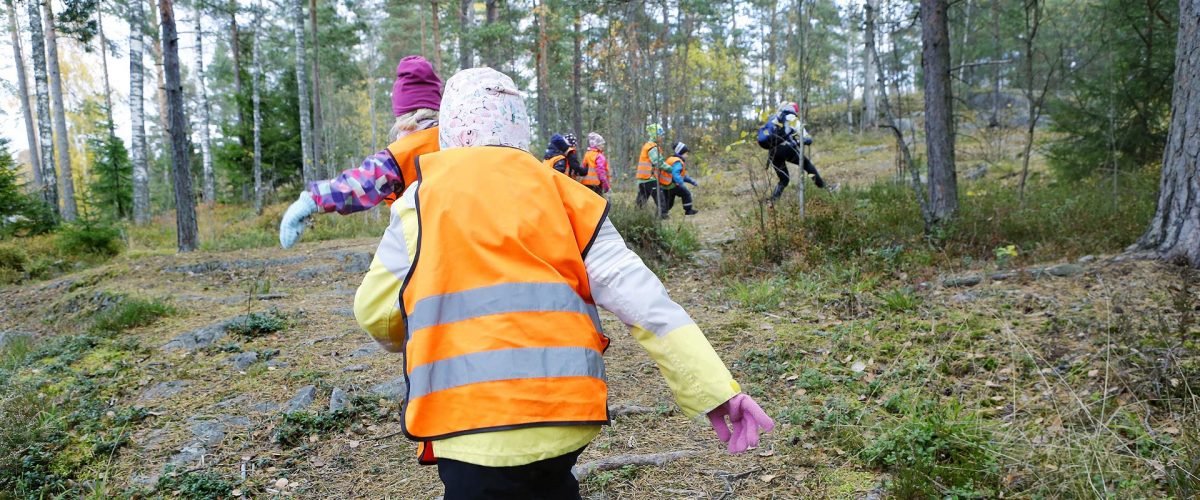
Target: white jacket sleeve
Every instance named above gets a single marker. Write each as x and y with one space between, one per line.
622 284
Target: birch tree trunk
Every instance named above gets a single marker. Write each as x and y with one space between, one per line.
35 164
255 78
939 116
63 147
1174 232
205 138
45 137
185 203
870 111
137 116
308 167
235 44
318 121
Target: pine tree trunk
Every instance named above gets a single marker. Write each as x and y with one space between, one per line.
492 13
576 100
108 107
185 203
464 36
542 77
205 138
870 111
939 114
1174 233
160 90
137 115
61 144
994 121
35 164
318 121
45 136
255 79
307 168
437 38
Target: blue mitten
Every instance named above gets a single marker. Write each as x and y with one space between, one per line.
294 218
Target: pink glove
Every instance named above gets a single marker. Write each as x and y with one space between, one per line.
747 418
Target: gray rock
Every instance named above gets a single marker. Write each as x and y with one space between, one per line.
318 340
1066 270
353 262
338 399
163 390
199 338
277 364
216 265
394 389
355 368
963 298
870 149
313 272
263 407
977 172
241 361
9 337
303 398
1001 276
189 454
366 350
344 311
1087 259
208 432
962 281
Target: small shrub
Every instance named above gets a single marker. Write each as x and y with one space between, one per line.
94 239
759 296
130 313
899 300
194 484
937 452
257 324
647 235
295 427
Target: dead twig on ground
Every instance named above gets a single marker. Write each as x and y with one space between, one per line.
583 471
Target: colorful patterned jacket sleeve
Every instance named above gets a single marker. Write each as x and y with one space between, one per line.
359 188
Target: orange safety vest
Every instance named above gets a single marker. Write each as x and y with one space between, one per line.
645 168
664 176
502 330
404 150
589 160
551 161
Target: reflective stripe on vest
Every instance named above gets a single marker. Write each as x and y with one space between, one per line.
645 168
498 307
589 160
406 149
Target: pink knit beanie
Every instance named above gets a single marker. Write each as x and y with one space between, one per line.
416 87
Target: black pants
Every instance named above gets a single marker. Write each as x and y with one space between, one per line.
648 190
597 189
676 191
782 155
548 479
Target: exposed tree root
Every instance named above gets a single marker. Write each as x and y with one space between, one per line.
583 471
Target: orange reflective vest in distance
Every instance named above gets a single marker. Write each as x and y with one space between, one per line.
664 176
589 160
551 161
502 331
645 168
404 150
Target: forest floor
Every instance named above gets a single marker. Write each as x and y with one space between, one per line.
1054 379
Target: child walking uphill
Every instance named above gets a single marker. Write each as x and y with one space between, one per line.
650 161
561 156
416 97
782 140
671 182
497 314
596 165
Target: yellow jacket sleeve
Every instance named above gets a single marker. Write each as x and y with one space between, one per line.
377 304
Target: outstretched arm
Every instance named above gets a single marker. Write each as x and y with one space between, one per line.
358 189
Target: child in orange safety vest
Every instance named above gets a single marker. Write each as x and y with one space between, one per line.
671 181
416 97
561 156
596 165
497 314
